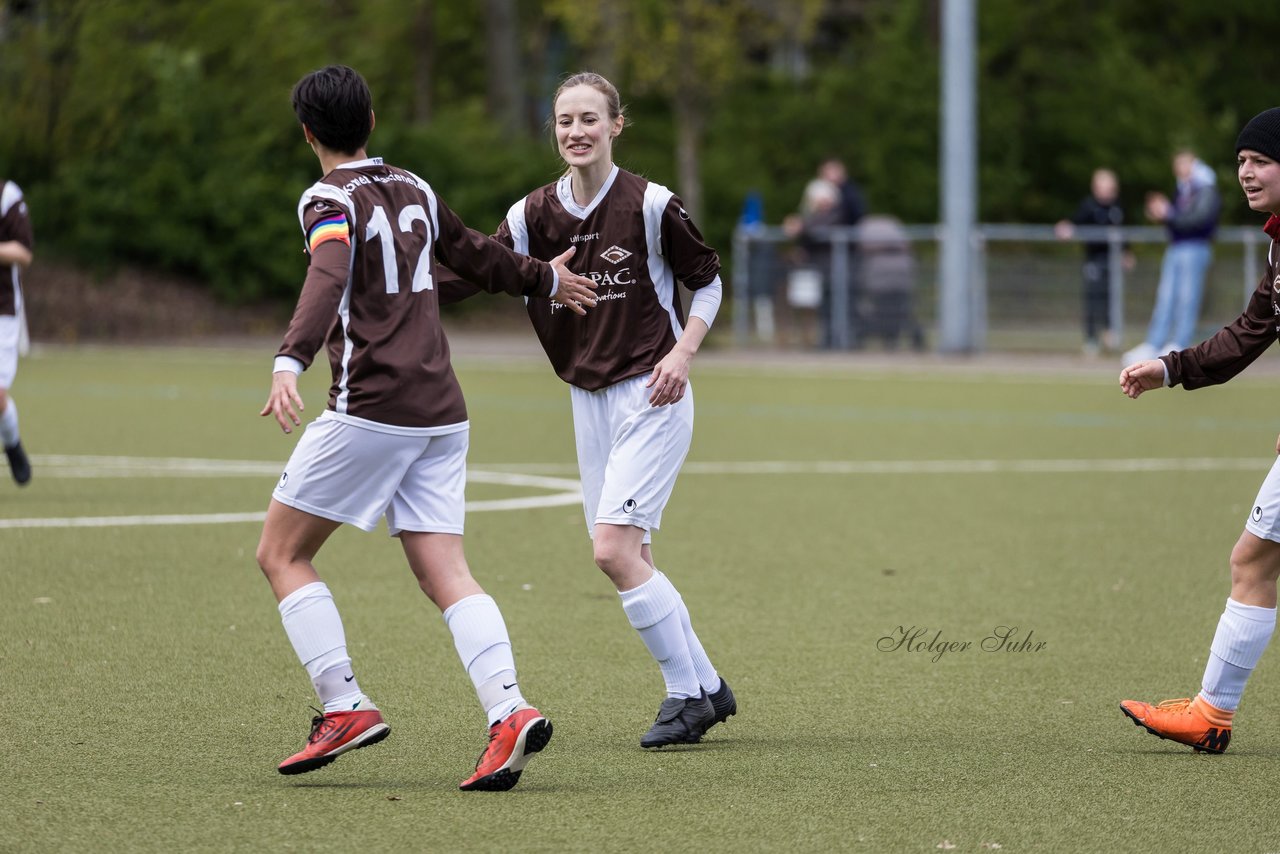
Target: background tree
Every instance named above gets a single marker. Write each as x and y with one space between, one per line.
160 134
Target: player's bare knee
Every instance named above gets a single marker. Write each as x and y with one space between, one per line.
608 557
271 558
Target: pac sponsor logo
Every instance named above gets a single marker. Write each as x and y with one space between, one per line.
615 255
606 279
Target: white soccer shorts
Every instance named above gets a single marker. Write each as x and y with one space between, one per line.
8 350
629 452
353 474
1264 517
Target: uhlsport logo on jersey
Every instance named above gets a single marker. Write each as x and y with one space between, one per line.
1257 514
629 506
615 254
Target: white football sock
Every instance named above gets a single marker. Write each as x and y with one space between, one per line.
480 636
707 675
653 610
314 628
9 424
1243 633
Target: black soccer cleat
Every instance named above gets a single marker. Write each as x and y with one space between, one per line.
681 720
19 464
724 703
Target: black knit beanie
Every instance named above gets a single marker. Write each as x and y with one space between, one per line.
1262 134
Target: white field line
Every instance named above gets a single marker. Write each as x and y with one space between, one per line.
847 467
567 491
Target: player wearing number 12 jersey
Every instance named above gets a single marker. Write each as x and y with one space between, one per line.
393 440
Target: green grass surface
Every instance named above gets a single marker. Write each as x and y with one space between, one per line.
149 689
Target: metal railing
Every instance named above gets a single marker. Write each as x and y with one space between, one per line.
1055 259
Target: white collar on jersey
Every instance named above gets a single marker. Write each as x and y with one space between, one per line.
564 190
360 164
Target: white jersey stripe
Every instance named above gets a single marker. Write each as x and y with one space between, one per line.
432 207
656 198
9 196
518 227
336 194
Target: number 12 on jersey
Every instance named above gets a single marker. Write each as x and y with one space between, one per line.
380 227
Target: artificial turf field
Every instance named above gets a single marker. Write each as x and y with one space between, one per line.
149 690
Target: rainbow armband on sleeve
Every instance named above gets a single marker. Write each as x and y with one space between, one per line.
329 228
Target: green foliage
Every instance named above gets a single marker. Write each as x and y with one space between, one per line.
161 134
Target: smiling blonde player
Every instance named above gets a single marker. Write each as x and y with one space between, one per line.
627 366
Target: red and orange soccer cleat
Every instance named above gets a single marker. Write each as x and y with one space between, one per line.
333 734
512 741
1194 723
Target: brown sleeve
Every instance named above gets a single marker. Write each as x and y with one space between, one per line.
452 288
317 308
694 262
487 264
1220 357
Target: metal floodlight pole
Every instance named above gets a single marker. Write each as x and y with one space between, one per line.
958 162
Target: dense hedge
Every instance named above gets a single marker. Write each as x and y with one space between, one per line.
161 134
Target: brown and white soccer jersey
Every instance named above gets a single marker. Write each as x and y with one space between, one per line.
373 232
635 240
1228 352
14 225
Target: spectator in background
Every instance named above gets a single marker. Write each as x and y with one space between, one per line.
1100 207
852 207
1192 218
820 210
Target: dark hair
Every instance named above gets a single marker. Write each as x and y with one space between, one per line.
335 104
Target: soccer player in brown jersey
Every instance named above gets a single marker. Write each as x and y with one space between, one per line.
627 365
15 256
1245 628
393 440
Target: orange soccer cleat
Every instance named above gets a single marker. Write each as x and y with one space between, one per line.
512 741
333 734
1192 722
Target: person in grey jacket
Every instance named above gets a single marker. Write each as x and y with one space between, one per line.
1191 218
